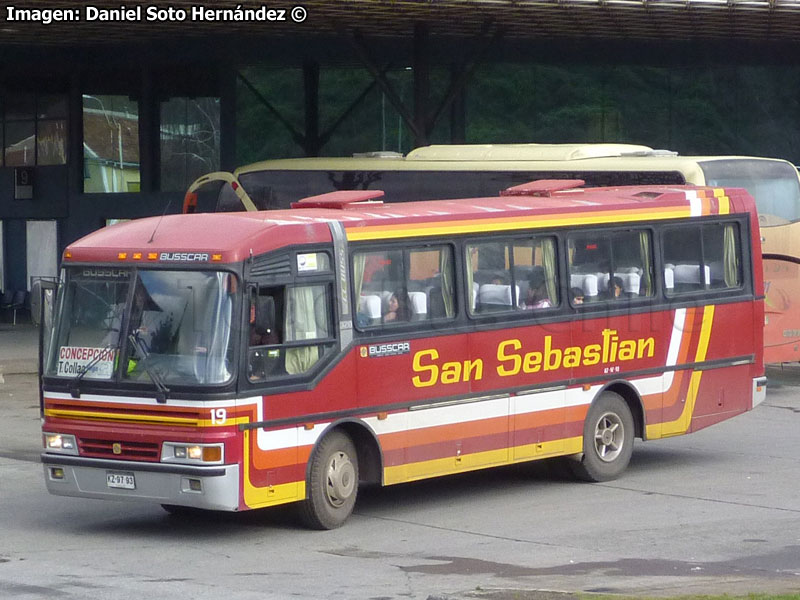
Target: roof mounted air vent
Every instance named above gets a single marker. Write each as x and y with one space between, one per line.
342 199
378 154
543 187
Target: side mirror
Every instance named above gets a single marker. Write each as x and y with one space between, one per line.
44 294
36 301
265 314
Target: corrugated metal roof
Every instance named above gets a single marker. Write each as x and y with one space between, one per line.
653 20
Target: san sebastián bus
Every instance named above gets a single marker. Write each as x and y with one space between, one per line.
233 361
461 171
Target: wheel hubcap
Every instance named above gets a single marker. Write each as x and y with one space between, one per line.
609 436
340 480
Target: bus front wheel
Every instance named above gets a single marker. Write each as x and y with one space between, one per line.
607 439
332 484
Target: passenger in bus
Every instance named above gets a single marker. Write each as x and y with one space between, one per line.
398 309
537 296
576 294
499 279
616 287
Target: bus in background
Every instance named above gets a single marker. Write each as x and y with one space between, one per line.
468 170
233 361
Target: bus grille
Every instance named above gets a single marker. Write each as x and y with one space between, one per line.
127 450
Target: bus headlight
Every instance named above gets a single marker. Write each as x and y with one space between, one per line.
60 442
204 454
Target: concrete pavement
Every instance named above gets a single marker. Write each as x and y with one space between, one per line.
19 348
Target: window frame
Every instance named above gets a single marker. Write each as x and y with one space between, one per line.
407 249
293 278
745 260
509 241
610 233
35 118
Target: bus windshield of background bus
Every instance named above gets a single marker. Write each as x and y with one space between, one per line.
176 324
774 185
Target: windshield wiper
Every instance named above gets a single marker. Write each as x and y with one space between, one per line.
162 391
74 388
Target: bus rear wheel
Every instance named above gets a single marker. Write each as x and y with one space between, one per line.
332 483
607 440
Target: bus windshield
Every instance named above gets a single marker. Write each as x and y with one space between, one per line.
145 325
773 184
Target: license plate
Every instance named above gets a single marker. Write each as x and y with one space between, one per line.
125 481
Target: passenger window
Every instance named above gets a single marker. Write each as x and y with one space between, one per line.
511 275
403 286
702 257
610 266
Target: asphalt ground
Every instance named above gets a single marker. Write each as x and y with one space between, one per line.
714 512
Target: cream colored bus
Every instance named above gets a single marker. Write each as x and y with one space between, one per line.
458 171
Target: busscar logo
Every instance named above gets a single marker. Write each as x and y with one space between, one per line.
115 273
393 349
183 256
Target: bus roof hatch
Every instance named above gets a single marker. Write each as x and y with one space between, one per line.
341 199
543 187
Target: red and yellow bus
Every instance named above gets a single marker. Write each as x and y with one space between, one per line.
456 171
233 361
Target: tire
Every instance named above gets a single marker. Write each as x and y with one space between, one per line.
332 483
608 434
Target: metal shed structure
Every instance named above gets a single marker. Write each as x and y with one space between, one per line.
101 102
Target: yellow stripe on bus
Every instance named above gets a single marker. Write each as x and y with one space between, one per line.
682 423
379 232
472 462
270 495
227 423
101 416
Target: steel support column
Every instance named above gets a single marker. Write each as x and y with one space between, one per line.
458 110
149 134
422 85
227 118
311 96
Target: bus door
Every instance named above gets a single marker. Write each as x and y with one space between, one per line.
217 192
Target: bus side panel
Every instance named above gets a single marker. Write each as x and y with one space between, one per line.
431 441
726 391
744 203
335 391
275 458
722 394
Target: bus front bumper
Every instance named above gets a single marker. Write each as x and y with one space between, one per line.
209 487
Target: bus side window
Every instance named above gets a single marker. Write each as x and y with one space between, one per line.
263 361
402 286
614 265
306 320
510 275
682 255
290 330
